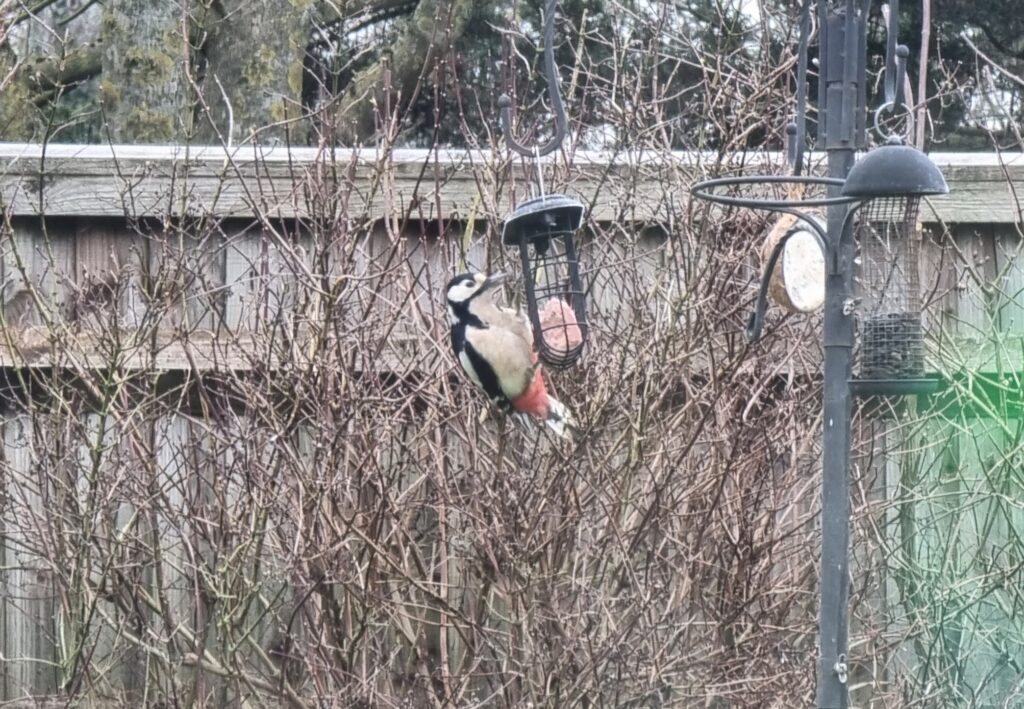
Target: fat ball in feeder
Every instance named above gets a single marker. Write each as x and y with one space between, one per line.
797 283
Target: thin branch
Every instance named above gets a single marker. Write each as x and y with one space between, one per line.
922 73
1016 79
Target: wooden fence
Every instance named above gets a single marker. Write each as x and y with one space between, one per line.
180 277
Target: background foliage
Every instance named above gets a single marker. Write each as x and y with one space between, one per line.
311 71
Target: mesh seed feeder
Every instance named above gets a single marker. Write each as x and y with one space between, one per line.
543 229
889 183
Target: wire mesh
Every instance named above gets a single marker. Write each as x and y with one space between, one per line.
555 297
891 342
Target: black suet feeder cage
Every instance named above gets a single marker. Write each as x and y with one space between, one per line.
543 229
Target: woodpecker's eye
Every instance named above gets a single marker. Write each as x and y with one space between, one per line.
468 283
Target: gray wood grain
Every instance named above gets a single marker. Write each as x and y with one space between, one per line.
38 271
164 181
28 605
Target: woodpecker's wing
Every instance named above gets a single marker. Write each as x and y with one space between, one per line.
515 321
499 361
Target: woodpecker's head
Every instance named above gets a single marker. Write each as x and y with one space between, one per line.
467 287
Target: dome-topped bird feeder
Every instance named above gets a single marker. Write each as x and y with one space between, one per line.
543 229
889 183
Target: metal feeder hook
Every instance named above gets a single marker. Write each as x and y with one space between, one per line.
554 94
543 229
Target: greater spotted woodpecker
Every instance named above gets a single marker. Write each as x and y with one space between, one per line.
494 345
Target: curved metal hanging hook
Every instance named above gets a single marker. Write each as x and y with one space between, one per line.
899 100
902 53
895 56
797 130
554 93
895 71
892 82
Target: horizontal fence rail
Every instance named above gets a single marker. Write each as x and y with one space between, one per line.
161 181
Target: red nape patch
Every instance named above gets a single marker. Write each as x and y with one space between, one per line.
535 399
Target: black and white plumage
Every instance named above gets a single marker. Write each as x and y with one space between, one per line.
494 346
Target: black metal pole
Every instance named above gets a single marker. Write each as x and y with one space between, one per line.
835 486
841 137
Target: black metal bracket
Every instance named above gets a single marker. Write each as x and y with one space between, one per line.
706 190
796 132
896 387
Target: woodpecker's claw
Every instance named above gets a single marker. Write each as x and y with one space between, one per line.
523 421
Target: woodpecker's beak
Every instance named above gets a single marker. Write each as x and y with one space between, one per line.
493 281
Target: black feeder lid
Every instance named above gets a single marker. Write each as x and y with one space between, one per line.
894 170
539 217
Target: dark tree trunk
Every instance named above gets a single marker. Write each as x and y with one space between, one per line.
47 61
427 33
17 108
256 54
143 89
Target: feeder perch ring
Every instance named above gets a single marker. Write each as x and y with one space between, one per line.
706 190
892 107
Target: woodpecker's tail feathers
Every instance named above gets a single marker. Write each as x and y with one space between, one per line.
559 418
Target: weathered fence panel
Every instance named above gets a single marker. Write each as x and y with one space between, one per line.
29 592
245 473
